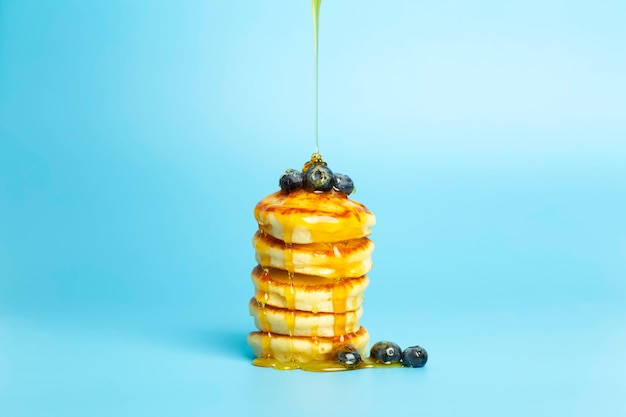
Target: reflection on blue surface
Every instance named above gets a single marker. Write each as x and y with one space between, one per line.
487 138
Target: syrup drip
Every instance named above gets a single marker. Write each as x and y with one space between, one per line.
290 319
290 294
262 296
264 286
317 344
339 304
265 324
266 344
315 329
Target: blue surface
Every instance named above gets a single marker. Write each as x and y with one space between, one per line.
136 137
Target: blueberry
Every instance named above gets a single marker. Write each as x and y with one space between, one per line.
386 352
348 355
291 180
318 178
343 183
414 356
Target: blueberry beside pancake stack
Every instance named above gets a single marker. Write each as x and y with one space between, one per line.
313 257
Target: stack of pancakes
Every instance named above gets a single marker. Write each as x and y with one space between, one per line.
313 255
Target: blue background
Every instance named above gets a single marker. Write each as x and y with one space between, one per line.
488 137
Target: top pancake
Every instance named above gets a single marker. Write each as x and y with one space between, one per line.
303 216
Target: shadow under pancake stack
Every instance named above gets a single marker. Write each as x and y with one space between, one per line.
313 257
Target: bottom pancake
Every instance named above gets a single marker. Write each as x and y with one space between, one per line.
304 349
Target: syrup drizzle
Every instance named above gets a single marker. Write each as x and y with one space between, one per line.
339 304
266 344
316 30
265 324
264 287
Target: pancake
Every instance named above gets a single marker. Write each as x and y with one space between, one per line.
352 258
305 217
307 292
304 349
303 323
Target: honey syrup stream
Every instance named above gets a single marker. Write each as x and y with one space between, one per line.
316 26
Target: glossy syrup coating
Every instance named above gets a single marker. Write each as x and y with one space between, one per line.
308 217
